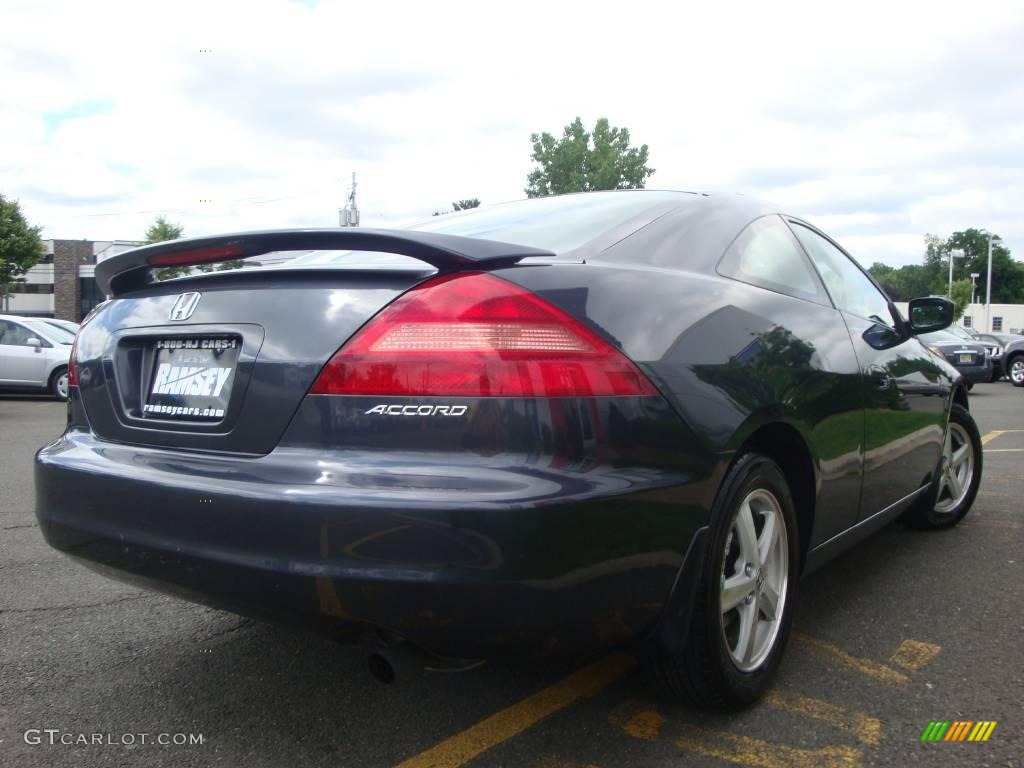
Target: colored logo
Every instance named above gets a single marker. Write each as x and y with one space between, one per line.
958 730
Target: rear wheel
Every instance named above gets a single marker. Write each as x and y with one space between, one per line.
1015 370
959 476
744 603
59 383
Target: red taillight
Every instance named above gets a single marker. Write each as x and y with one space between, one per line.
72 363
197 256
476 335
73 358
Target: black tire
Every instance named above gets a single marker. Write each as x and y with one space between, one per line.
58 389
930 513
703 671
1016 375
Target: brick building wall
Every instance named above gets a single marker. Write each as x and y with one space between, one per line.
68 255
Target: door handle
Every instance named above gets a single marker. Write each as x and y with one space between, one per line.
880 377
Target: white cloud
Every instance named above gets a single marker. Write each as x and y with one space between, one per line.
880 121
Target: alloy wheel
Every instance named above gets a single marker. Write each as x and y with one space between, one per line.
62 386
957 469
1017 371
755 575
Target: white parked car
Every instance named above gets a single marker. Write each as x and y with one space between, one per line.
65 324
34 355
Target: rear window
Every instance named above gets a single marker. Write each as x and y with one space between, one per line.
559 224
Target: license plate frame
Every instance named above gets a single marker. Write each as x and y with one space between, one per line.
191 378
966 358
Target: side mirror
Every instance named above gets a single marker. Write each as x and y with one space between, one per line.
930 314
32 341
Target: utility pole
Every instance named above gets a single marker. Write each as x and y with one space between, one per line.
349 215
954 254
974 287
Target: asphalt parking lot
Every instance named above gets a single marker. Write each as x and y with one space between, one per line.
906 629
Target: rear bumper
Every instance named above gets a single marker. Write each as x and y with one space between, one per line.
473 557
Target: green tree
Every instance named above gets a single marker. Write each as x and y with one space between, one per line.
908 282
160 231
961 295
932 276
1007 274
581 161
20 247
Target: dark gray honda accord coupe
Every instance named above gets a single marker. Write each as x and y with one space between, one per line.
630 419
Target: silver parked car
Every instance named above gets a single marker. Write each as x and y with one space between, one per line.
65 324
34 355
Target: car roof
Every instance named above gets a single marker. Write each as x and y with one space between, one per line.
576 226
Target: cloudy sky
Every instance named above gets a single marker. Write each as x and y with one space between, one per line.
879 122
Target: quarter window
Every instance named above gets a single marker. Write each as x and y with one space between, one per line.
766 254
849 287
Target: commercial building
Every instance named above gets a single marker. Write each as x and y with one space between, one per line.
62 285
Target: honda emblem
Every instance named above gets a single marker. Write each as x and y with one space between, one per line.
184 306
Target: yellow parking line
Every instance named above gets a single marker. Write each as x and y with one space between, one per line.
915 655
758 753
991 436
511 721
866 728
639 720
643 721
873 669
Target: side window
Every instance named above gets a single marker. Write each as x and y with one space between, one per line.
849 287
766 254
13 334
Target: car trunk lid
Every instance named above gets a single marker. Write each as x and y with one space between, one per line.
220 362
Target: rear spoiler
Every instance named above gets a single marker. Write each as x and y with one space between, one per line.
448 253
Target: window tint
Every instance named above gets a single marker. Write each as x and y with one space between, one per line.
849 287
766 254
14 334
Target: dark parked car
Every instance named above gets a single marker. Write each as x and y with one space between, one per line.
623 418
993 349
1012 361
971 358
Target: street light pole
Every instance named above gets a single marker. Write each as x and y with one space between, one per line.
988 286
974 287
953 254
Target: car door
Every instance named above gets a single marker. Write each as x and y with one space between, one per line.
904 388
19 363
